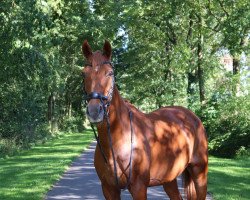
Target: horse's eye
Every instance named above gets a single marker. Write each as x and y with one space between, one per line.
110 73
83 75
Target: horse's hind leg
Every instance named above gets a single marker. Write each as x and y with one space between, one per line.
171 188
199 176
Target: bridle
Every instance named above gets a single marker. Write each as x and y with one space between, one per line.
105 102
100 96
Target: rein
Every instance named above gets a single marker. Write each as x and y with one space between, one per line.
105 105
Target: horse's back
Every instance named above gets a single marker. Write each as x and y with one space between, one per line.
180 117
174 113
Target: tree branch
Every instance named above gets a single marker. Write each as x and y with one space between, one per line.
222 7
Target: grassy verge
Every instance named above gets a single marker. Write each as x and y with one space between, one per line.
229 178
30 174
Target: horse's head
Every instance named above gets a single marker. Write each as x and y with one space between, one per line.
98 81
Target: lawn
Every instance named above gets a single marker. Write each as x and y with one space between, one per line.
229 178
30 174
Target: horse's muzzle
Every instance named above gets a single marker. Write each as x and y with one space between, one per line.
95 112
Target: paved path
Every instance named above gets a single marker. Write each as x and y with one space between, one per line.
80 182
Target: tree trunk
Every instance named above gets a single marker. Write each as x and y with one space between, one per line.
168 78
201 75
51 112
191 75
236 65
236 74
200 69
69 109
190 90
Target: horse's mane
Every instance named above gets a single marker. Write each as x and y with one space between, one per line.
130 105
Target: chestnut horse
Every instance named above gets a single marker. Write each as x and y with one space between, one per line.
137 150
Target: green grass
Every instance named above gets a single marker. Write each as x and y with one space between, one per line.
30 174
229 178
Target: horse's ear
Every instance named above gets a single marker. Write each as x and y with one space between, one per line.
86 50
107 50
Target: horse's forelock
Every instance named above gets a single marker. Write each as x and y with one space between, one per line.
98 58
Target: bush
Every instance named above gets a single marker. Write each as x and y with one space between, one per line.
8 147
242 152
27 137
72 124
227 125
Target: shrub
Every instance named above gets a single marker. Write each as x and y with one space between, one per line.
227 125
8 147
72 124
243 152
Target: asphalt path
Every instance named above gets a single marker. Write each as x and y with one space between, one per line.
80 182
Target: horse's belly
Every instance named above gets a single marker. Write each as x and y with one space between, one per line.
167 164
164 172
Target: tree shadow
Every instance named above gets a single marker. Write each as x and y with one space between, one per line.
30 174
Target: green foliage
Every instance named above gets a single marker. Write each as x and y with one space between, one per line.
228 126
73 124
174 51
40 83
165 53
8 147
243 152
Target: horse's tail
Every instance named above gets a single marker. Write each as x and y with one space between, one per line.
189 185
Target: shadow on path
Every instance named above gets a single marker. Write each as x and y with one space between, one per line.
80 182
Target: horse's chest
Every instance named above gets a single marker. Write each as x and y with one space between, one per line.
107 172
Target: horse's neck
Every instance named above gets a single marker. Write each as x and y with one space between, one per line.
117 108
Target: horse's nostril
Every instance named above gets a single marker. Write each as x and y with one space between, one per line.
100 108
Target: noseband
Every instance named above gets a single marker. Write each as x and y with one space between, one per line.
105 101
96 95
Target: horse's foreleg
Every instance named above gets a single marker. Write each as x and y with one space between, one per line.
140 193
138 190
171 188
111 193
